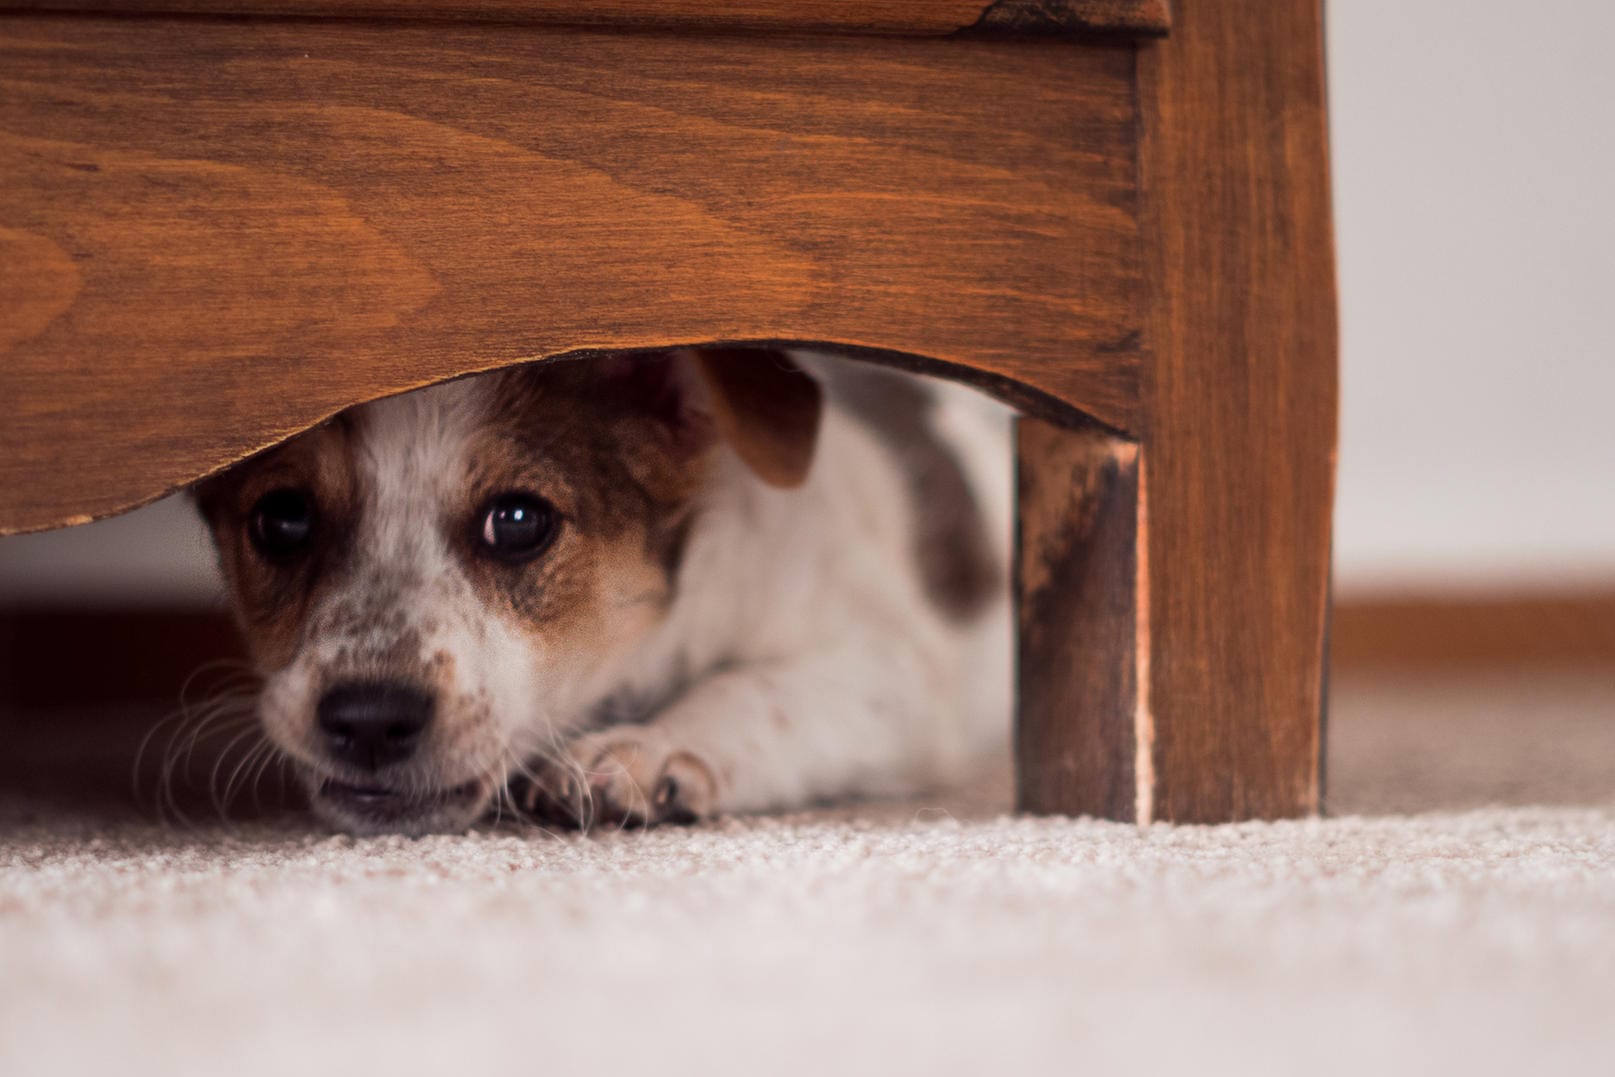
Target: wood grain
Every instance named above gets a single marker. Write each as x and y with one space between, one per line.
218 234
1239 437
924 17
1427 632
1082 646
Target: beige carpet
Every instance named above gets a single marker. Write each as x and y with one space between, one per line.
1472 932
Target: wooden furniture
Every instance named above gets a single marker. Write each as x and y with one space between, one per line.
222 221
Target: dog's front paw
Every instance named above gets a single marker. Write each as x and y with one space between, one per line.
622 777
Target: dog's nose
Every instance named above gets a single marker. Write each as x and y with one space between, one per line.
370 724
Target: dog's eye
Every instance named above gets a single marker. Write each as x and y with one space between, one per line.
282 522
516 527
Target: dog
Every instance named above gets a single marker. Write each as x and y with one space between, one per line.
638 589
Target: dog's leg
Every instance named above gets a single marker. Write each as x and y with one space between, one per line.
854 720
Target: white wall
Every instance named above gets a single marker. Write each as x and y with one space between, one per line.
157 554
1474 157
1474 154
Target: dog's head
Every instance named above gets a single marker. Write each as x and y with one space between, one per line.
438 586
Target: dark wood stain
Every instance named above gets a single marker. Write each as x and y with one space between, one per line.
1080 641
919 17
1075 17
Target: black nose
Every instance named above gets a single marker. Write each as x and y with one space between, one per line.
370 724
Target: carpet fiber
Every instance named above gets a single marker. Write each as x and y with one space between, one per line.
1472 931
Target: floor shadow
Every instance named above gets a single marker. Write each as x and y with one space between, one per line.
1397 745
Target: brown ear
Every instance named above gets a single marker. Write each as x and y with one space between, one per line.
766 407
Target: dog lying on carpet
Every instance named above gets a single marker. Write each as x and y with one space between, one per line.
637 589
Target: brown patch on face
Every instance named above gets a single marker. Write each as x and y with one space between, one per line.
273 596
951 547
621 464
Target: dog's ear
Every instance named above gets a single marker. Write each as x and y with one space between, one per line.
766 407
763 405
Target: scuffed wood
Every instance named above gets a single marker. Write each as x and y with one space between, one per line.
221 233
1082 727
1076 17
919 17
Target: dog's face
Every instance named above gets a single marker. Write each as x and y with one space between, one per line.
438 586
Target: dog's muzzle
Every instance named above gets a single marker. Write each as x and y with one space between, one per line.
369 725
371 730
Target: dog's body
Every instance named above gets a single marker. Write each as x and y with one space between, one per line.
589 587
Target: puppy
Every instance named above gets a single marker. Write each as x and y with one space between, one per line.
631 589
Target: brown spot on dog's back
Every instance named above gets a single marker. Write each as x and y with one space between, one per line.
951 546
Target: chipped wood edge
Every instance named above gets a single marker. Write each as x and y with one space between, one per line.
1143 717
1074 18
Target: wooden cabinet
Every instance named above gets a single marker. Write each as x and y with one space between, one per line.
221 221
